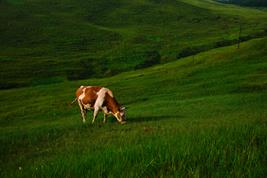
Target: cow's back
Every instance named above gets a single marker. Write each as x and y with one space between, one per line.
87 94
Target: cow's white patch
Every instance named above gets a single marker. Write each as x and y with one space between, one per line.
110 93
81 96
100 97
105 110
87 106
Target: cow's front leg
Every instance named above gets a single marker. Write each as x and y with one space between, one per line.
105 111
105 118
83 111
95 114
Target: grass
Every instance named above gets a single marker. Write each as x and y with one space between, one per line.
200 116
50 41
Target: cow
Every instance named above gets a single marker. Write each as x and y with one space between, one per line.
98 98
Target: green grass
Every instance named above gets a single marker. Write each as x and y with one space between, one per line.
50 41
200 116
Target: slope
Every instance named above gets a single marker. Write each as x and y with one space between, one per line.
202 116
53 41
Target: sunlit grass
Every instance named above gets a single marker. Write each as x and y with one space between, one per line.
201 116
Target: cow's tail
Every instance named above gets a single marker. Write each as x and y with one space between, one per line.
73 101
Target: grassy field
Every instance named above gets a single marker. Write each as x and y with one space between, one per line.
200 116
51 41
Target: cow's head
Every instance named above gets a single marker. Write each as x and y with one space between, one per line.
120 115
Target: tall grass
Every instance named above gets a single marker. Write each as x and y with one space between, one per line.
202 116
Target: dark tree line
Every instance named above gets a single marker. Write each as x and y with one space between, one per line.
259 3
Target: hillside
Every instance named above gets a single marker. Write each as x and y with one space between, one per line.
196 102
253 3
45 41
201 116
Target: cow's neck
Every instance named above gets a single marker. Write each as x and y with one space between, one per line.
111 104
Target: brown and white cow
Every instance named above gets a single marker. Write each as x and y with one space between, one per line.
99 99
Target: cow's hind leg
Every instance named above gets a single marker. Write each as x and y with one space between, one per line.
83 111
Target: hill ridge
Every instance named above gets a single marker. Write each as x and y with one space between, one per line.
57 41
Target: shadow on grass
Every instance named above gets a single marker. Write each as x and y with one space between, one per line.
152 118
112 120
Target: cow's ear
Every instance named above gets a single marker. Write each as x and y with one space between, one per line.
122 108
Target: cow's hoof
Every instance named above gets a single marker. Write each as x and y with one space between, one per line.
123 122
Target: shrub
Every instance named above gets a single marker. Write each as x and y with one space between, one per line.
151 58
189 51
87 68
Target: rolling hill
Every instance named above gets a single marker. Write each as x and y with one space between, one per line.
45 41
202 116
196 102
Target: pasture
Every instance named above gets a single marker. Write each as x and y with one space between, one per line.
200 116
53 41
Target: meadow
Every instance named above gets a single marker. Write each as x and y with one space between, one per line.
52 41
199 116
196 102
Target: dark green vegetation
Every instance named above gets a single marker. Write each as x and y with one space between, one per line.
51 41
200 116
254 3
